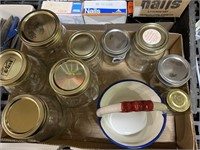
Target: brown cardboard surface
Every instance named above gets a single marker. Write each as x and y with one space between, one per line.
179 131
159 8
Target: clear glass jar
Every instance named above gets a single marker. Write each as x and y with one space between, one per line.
172 71
42 33
149 45
74 83
115 44
34 118
84 45
22 73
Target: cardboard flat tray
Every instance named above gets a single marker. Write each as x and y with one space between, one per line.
179 130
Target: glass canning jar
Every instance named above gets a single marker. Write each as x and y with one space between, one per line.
22 73
115 44
84 45
42 33
172 71
149 45
34 118
74 83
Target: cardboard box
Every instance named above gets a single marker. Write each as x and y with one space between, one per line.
159 8
67 12
179 131
102 12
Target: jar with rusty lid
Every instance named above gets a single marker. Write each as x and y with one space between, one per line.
42 33
178 100
74 83
149 45
84 45
172 71
21 73
115 44
34 118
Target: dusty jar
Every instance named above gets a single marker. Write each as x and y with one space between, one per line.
74 83
42 33
22 73
115 44
149 45
84 45
172 71
34 118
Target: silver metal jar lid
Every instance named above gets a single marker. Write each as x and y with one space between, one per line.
173 70
69 76
83 45
115 42
151 39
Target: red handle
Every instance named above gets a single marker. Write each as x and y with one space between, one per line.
129 106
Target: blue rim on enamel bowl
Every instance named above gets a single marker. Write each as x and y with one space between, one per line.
125 146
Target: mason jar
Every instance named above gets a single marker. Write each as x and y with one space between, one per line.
22 73
42 33
34 118
74 83
84 45
149 45
115 44
172 71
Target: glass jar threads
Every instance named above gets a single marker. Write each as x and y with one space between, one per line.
149 45
21 73
34 118
115 44
42 32
74 83
84 45
172 71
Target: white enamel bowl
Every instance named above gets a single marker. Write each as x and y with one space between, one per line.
146 126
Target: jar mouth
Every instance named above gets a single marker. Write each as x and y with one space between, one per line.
173 70
122 44
30 113
151 39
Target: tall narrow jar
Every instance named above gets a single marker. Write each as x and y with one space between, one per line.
22 73
34 118
149 45
42 33
74 83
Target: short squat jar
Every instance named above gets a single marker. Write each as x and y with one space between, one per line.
149 45
21 73
172 71
115 44
84 45
42 33
34 118
74 83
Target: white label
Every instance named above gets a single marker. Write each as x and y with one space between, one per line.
151 36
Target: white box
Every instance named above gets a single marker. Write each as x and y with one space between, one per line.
102 12
67 12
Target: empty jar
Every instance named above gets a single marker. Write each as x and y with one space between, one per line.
115 44
34 118
42 33
172 71
74 83
149 45
84 45
22 73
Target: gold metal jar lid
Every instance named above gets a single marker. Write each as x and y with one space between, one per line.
115 42
178 100
23 116
13 66
40 28
69 76
83 45
151 39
